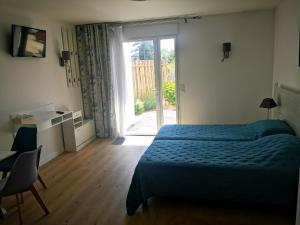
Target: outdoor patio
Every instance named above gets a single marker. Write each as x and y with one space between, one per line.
146 122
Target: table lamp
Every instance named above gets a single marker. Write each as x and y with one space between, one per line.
268 103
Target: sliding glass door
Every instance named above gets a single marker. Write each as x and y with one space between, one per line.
168 80
151 70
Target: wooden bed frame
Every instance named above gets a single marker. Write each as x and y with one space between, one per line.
288 100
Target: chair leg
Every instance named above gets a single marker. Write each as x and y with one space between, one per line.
42 181
39 200
4 175
145 203
22 198
19 209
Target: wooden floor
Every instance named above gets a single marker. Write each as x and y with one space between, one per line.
90 188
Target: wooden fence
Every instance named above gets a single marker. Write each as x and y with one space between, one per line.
143 77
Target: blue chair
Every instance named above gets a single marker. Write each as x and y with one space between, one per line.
25 140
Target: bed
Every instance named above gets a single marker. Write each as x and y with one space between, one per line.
244 165
261 171
240 132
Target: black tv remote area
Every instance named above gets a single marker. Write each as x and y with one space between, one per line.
60 112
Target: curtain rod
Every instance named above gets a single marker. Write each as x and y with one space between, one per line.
152 21
163 20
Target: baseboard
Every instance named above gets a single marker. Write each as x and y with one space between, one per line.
50 157
79 147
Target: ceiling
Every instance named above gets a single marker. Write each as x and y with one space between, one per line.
91 11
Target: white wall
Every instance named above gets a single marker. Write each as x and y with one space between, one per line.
228 92
131 32
32 82
286 48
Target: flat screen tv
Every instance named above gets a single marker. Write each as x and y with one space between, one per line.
28 42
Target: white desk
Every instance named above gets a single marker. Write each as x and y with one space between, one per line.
77 132
46 120
45 117
6 154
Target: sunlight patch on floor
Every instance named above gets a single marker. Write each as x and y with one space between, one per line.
138 140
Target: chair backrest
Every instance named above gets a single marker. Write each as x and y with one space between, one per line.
25 140
23 173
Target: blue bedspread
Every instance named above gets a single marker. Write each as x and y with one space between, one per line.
260 171
241 132
206 132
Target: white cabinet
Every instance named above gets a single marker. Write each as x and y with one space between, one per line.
78 132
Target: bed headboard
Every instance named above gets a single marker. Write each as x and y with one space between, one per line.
288 100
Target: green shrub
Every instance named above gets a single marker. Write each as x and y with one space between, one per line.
169 90
138 106
150 103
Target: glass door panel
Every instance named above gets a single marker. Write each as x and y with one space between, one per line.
140 69
168 80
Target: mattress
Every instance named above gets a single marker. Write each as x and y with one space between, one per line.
261 171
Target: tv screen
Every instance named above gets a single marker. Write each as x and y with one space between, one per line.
28 42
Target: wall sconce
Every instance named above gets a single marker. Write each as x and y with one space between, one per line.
65 56
226 50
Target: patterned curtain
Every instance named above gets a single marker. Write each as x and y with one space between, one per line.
95 73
